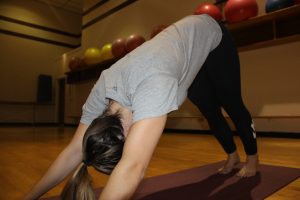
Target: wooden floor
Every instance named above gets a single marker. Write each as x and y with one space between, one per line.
25 154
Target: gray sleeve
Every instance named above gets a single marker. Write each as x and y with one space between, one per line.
154 97
95 103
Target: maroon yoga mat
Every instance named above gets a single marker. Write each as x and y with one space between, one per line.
204 183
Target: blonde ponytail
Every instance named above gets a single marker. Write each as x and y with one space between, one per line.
79 187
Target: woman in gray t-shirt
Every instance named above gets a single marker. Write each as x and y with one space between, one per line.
126 111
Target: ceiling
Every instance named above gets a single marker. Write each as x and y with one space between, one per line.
69 5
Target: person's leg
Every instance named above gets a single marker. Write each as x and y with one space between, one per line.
223 70
202 94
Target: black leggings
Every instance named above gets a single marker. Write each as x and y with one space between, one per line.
218 85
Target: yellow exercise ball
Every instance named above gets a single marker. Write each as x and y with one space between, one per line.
106 52
92 56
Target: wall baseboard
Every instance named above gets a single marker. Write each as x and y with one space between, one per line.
28 124
166 131
258 133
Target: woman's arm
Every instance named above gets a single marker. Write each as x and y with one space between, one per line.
139 147
64 164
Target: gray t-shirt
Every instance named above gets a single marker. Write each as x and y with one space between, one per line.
153 79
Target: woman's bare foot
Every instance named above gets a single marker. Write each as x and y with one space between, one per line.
232 160
250 167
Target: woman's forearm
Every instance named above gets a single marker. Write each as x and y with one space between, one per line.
122 182
139 147
64 164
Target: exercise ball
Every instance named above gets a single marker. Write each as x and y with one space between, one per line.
92 56
296 2
82 64
240 10
210 9
118 47
73 63
133 41
76 63
157 30
273 5
106 52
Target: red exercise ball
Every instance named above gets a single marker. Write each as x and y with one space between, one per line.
82 64
76 63
210 9
119 48
133 41
157 30
240 10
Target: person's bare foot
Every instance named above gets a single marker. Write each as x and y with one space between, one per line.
232 160
250 167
